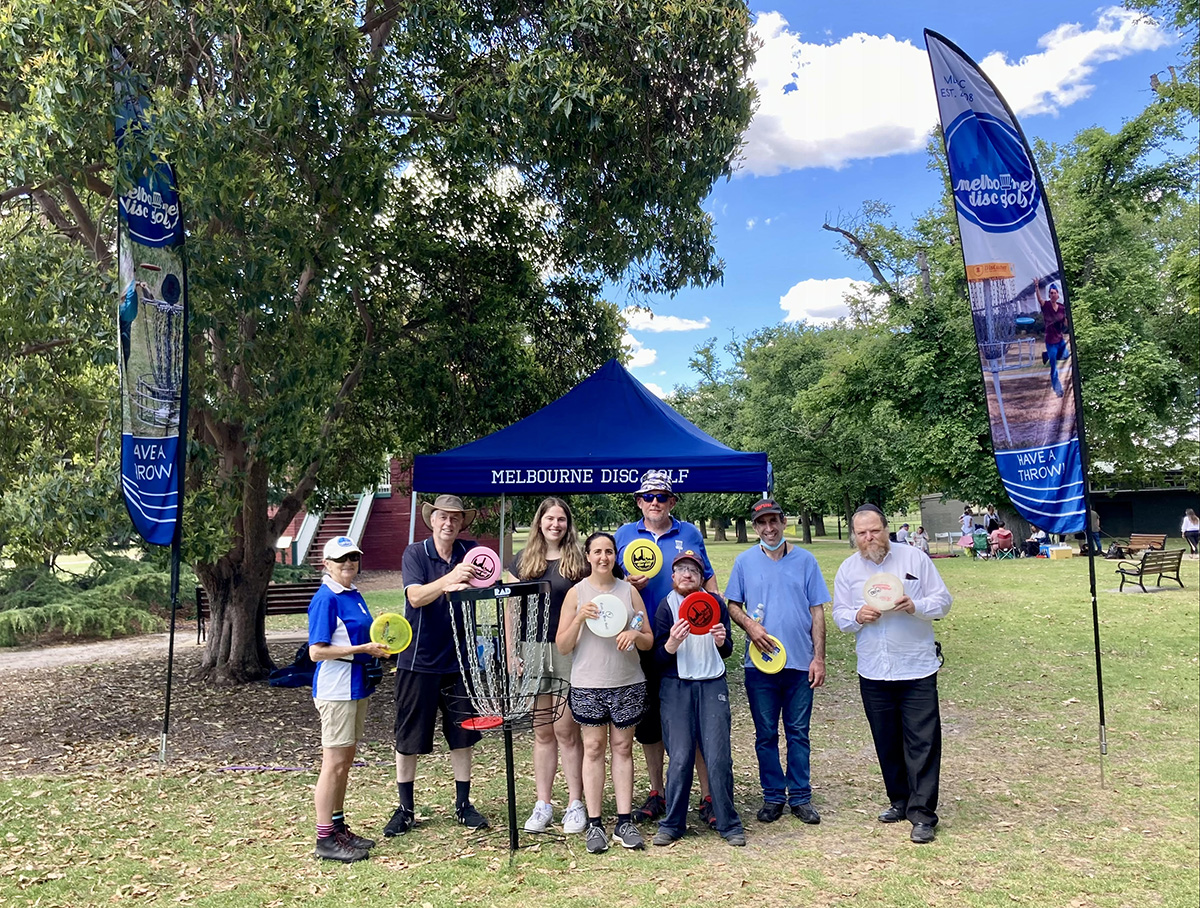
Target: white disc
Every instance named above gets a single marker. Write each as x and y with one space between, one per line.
613 617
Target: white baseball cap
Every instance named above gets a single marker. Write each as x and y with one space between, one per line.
339 546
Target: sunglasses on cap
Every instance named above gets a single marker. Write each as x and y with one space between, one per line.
660 497
349 556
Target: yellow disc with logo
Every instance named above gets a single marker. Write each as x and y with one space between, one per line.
393 631
770 662
642 557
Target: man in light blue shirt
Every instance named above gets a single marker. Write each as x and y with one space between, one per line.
898 664
777 589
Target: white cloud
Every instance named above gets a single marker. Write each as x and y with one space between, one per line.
820 302
644 320
654 389
868 96
750 222
639 355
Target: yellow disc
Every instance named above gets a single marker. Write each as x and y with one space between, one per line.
393 631
642 557
769 663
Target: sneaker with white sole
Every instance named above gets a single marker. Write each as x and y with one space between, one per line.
627 834
542 816
574 818
597 841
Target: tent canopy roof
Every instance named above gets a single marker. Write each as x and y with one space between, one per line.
598 437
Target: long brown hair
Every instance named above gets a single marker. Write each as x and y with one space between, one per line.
532 561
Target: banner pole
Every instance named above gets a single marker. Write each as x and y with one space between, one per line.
175 560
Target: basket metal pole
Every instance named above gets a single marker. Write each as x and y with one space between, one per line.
510 771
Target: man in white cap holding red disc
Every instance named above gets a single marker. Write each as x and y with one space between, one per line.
892 620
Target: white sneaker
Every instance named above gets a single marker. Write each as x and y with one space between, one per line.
542 814
574 819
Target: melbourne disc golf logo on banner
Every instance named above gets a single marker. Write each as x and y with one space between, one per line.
152 326
1017 297
994 182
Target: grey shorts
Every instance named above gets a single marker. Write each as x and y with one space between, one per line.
553 667
595 706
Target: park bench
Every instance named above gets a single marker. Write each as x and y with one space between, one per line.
1139 541
1153 561
282 599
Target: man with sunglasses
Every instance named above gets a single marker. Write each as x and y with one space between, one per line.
655 499
428 679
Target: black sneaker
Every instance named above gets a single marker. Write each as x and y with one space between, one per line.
629 836
707 814
807 813
333 848
354 841
400 823
894 814
770 812
653 808
468 816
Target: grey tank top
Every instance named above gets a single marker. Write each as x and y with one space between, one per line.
597 661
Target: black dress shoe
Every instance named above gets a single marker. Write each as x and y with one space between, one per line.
894 814
770 812
922 833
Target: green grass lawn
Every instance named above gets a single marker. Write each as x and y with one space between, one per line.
1024 817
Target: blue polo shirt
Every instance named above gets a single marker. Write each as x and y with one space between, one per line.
786 589
339 617
679 537
432 647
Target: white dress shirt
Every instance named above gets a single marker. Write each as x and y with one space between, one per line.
899 646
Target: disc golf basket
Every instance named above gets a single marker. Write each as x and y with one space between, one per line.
492 628
995 310
157 393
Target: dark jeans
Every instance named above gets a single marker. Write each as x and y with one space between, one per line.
785 694
907 727
697 713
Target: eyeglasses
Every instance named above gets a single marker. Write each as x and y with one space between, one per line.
688 569
660 497
349 556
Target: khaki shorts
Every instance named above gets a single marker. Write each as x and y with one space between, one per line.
545 659
342 721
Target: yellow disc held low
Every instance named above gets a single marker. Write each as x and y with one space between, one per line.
393 631
771 662
642 557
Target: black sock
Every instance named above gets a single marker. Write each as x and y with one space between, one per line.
624 818
405 790
339 819
596 821
462 793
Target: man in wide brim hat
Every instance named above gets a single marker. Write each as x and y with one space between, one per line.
449 504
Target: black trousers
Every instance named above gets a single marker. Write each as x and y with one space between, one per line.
906 724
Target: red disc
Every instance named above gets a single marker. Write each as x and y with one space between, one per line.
700 610
482 723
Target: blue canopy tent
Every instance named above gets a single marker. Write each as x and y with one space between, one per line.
598 437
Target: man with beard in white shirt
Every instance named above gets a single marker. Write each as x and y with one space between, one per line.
898 664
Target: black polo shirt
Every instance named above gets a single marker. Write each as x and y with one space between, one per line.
432 647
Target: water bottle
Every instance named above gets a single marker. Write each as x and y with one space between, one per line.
759 611
636 623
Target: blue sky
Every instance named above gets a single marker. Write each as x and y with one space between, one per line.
846 106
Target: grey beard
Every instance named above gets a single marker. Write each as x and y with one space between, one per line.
875 553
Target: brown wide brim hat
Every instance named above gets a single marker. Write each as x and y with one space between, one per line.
447 503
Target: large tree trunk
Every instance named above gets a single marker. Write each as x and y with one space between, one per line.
739 525
846 509
719 525
818 523
805 528
236 650
702 524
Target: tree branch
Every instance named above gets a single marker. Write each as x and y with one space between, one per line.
860 251
35 349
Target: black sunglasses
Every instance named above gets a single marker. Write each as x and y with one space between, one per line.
349 556
660 497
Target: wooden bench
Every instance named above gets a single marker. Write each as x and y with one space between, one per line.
1153 561
282 599
1140 541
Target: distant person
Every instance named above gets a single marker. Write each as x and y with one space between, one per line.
1000 539
608 688
428 679
991 519
1094 527
339 642
1054 318
897 668
1191 529
1032 547
902 534
967 523
655 499
776 588
553 555
920 539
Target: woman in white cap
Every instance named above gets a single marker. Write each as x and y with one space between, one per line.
339 642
